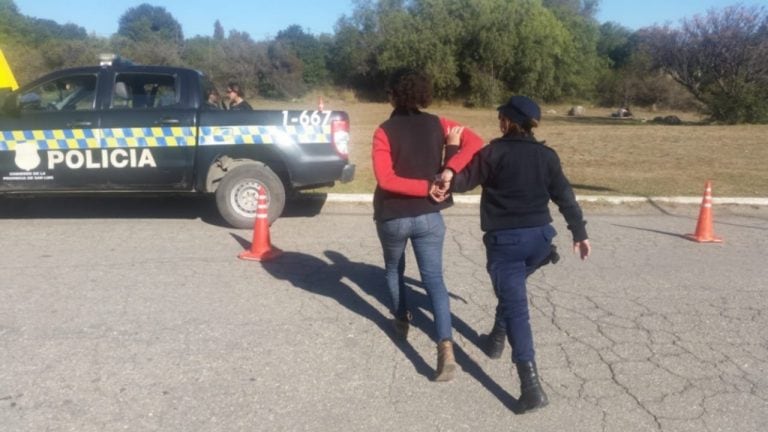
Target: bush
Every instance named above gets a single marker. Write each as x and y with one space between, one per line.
484 90
749 105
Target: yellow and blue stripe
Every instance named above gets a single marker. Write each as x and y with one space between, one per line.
221 135
72 139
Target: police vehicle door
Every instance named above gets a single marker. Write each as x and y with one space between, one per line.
148 132
57 115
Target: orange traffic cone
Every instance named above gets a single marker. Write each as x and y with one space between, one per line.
704 232
320 105
261 247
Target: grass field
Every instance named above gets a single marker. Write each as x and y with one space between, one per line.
602 155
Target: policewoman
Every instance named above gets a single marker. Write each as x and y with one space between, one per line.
519 176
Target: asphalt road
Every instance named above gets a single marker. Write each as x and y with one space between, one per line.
135 314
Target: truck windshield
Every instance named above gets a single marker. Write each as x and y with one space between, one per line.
71 93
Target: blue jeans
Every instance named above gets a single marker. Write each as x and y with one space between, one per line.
513 254
426 233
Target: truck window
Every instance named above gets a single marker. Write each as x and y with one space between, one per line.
72 93
144 91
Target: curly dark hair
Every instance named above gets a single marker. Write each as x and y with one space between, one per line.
235 87
410 89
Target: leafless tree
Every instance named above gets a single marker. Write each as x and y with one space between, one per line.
721 58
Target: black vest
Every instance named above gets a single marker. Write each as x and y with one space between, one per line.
416 140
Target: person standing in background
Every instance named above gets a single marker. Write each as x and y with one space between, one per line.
236 95
212 99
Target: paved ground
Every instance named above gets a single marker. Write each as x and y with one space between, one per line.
136 315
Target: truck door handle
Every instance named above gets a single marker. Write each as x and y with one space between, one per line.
168 121
79 124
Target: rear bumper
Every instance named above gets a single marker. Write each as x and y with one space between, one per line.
320 174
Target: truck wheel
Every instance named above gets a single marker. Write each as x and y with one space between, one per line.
237 195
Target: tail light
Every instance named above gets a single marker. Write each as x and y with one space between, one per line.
340 137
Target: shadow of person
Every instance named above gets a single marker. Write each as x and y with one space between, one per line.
371 280
319 277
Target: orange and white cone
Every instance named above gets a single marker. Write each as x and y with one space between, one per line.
704 232
261 247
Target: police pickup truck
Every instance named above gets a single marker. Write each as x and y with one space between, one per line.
120 127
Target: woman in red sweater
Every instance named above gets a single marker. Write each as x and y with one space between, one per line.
408 151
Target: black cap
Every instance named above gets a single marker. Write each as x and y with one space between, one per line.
520 109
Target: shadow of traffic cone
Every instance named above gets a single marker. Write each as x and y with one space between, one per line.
320 105
704 232
261 247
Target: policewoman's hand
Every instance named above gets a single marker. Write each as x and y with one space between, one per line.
582 248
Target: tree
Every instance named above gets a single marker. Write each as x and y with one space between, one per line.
721 58
35 46
523 48
64 53
309 50
147 23
9 14
352 59
242 57
586 8
218 31
281 76
149 34
582 62
488 49
430 42
10 19
34 31
615 43
206 54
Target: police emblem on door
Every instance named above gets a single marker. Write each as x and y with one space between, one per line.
27 157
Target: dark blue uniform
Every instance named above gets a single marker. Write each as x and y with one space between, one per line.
519 176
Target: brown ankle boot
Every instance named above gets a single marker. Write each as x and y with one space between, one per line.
446 363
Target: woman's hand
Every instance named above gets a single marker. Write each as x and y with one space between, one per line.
440 185
438 192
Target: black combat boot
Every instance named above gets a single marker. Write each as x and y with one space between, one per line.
493 343
552 258
532 395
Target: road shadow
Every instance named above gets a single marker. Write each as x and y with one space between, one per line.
335 279
319 277
652 230
304 205
135 206
592 188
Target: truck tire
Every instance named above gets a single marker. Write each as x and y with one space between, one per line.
237 194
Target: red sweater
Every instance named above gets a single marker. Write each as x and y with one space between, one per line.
408 150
